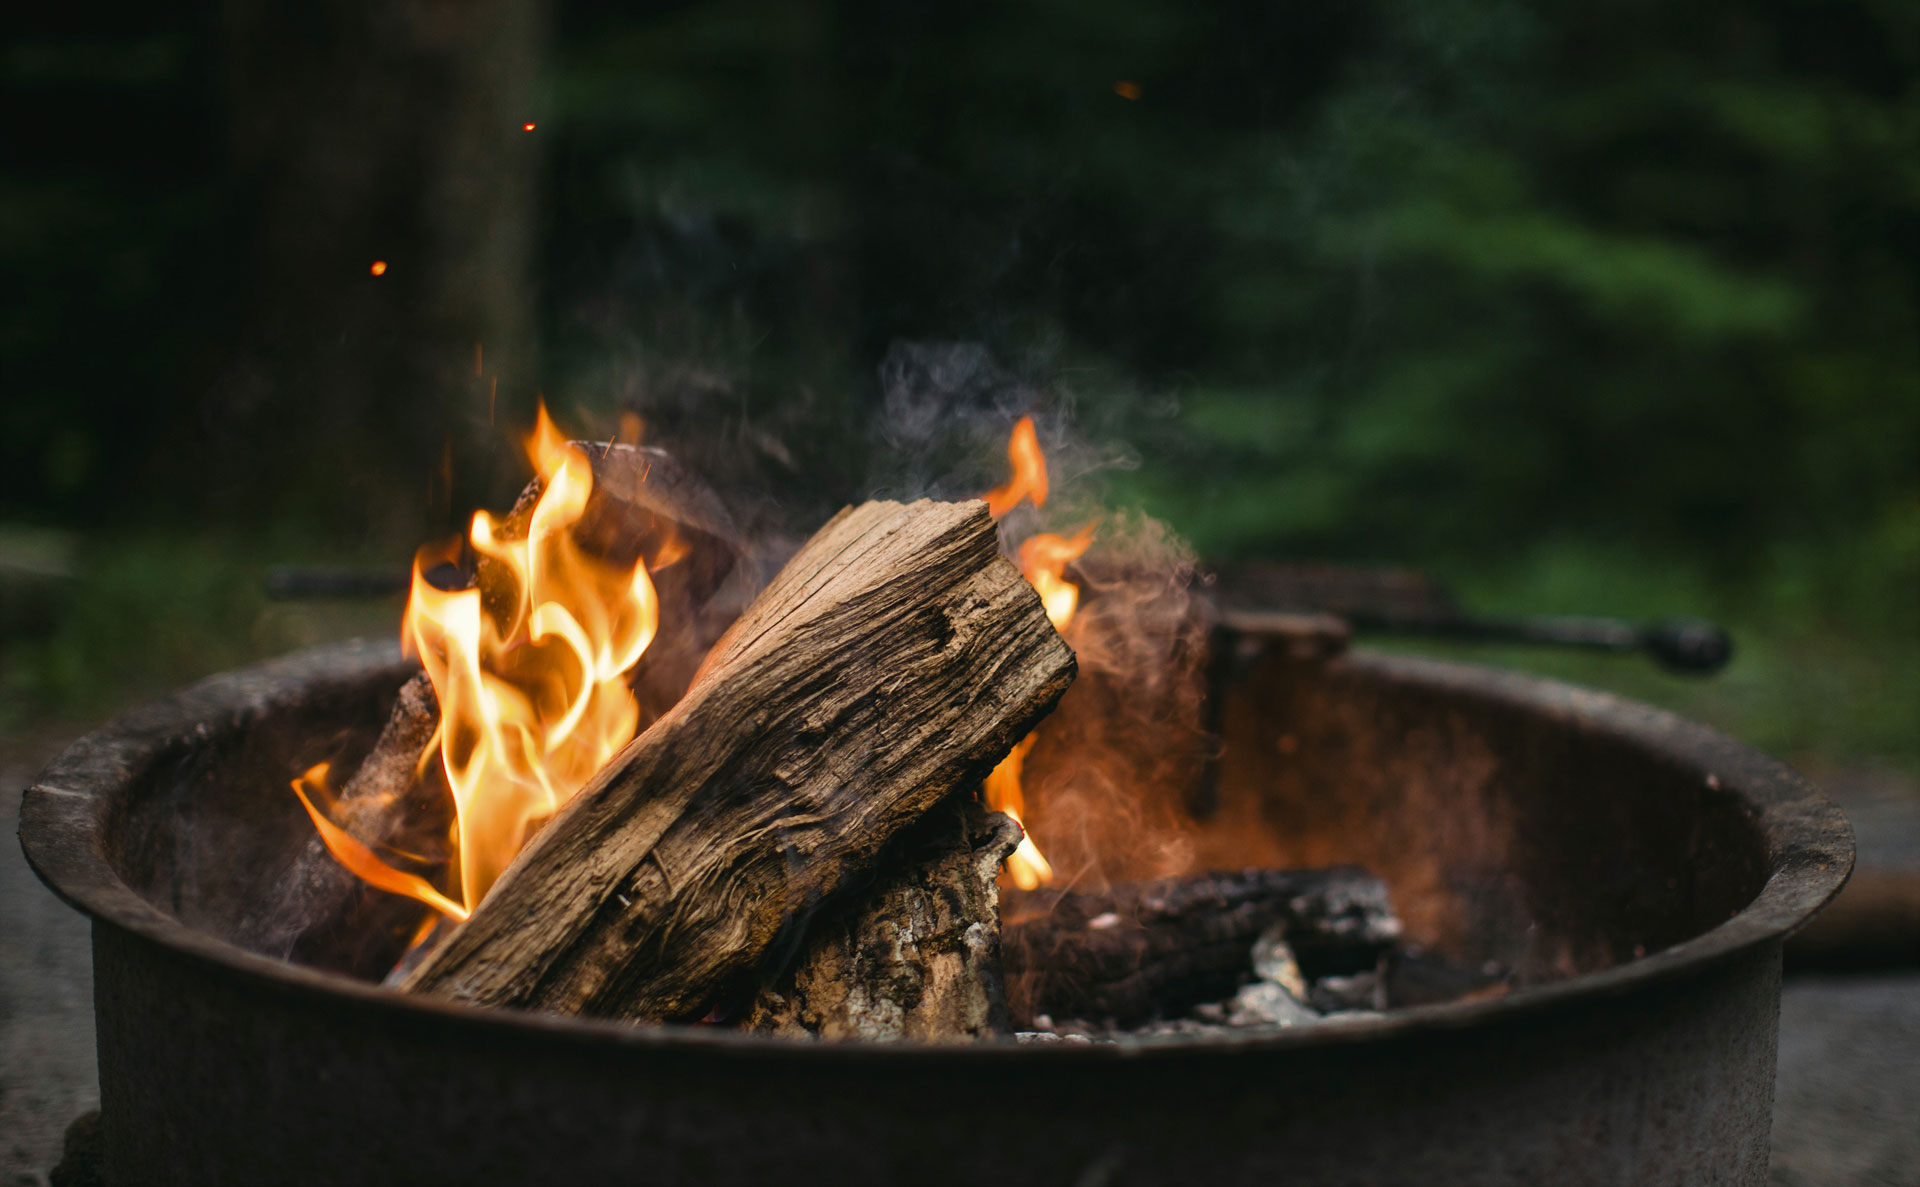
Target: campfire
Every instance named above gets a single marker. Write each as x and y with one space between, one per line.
790 839
838 823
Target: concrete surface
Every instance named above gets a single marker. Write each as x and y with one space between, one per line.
1847 1109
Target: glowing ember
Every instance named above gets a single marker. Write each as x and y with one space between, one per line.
527 127
530 671
1043 561
379 268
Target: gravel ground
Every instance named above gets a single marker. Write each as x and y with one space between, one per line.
1847 1109
46 994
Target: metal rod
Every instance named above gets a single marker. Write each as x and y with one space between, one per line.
334 582
1691 645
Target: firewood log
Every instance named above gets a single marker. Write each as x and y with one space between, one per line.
1128 954
916 956
896 657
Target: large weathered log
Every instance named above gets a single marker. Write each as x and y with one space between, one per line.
1145 949
916 956
896 658
321 915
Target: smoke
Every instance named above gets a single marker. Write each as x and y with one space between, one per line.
1111 768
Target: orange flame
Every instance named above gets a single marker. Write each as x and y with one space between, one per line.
1043 561
1027 866
357 856
529 667
1029 479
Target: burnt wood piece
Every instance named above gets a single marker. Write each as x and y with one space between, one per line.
896 657
321 915
645 503
917 956
1143 950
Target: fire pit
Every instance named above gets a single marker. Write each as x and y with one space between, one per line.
1641 872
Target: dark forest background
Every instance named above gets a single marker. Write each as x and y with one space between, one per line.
1603 309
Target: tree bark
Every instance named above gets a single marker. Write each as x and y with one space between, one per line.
915 957
896 658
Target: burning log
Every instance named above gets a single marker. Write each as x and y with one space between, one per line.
1139 950
896 658
642 504
321 914
915 957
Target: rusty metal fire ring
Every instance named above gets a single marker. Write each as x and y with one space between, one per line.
1592 1079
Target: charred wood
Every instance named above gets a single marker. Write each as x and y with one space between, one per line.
319 914
1142 950
895 658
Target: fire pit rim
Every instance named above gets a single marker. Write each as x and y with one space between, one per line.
64 820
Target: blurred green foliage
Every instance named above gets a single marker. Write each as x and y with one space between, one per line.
105 622
1608 309
1603 309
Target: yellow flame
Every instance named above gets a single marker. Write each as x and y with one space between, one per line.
530 670
1043 561
1027 866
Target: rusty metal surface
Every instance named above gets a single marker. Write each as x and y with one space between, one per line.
218 1065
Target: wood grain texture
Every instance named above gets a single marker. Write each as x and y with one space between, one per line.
896 658
917 955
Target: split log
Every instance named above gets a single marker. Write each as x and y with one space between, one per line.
319 914
1127 955
917 956
896 658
